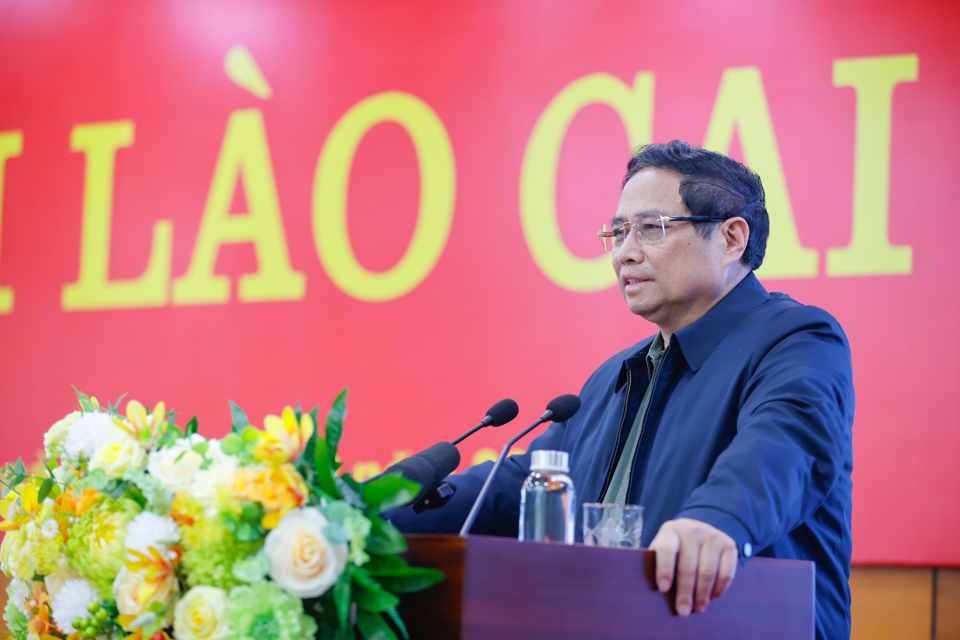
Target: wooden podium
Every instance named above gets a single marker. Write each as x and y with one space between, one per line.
501 589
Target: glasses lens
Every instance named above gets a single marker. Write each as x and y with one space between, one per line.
650 229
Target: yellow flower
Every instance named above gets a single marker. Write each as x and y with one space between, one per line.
278 489
283 440
199 615
149 426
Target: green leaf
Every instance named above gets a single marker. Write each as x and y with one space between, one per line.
45 489
412 579
385 565
324 472
239 418
341 597
369 595
351 490
86 404
387 492
399 623
18 468
374 627
192 426
384 537
334 427
115 408
310 448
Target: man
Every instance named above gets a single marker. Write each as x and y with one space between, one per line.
731 426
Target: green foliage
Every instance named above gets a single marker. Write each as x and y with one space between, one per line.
342 599
192 426
374 627
86 404
369 595
384 537
334 427
239 418
325 478
387 492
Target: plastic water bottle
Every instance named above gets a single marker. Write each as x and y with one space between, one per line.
547 499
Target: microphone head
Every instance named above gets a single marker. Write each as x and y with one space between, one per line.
444 458
502 412
563 407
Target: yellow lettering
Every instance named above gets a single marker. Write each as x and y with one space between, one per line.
870 251
11 146
244 156
538 176
741 106
93 288
437 189
365 470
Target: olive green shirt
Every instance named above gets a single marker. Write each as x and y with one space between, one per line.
620 483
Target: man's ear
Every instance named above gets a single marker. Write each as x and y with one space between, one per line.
734 233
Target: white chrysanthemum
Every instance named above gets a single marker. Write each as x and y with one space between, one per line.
21 591
49 528
147 529
89 433
71 602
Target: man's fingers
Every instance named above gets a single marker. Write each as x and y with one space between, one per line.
726 571
706 574
687 573
666 544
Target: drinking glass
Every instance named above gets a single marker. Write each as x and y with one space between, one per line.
612 525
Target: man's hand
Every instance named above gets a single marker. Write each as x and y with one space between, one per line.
701 556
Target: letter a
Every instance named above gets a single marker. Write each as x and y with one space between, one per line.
742 105
243 156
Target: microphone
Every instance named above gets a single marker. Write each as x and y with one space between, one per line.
497 415
429 467
558 410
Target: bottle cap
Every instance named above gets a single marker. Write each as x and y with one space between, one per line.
550 461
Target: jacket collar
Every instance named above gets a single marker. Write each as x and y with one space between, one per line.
700 339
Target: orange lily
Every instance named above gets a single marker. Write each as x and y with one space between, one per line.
155 568
279 490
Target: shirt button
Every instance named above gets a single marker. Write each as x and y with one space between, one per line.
747 549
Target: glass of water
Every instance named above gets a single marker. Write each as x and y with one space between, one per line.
612 525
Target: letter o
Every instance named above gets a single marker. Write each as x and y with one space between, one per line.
538 177
437 189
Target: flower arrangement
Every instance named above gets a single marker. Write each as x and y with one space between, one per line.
142 530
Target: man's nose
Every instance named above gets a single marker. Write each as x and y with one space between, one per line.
630 250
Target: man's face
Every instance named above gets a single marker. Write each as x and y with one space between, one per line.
676 280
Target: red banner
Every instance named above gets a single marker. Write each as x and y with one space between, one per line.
269 201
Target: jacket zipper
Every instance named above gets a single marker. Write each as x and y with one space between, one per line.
613 463
623 420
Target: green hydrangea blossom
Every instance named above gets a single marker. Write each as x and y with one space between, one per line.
95 550
16 621
262 611
209 553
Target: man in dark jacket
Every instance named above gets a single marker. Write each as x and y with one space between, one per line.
731 426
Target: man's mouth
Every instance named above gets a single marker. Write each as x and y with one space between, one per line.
632 281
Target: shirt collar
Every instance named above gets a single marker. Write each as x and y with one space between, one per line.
698 340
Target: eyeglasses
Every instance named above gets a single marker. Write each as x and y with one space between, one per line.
649 229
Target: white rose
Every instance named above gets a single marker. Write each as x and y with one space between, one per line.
176 465
200 614
302 561
126 593
117 454
56 436
211 483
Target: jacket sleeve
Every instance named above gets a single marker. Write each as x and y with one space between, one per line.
794 434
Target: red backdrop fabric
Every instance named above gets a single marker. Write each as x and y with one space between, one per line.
268 201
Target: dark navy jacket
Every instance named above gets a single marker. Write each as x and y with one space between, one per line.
749 430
